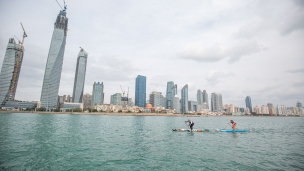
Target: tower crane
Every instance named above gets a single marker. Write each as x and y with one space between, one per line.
17 66
123 98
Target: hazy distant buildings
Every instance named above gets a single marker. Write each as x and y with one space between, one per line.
80 76
10 71
53 67
140 91
248 103
299 104
216 102
169 94
264 109
97 93
199 97
116 99
256 110
205 98
155 99
184 99
87 101
192 106
176 104
271 108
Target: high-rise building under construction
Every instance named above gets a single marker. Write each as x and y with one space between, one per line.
10 71
53 67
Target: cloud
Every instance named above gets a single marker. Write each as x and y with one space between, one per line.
292 22
296 71
218 52
214 77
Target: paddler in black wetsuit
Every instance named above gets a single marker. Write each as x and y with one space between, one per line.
191 123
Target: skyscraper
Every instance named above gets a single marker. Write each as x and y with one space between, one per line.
140 91
184 99
220 102
169 95
97 93
10 71
205 98
155 99
176 104
214 102
248 103
80 76
199 97
53 67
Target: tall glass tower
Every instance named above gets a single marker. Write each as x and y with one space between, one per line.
97 94
199 97
205 98
214 102
169 95
184 99
54 62
10 71
80 76
140 91
248 103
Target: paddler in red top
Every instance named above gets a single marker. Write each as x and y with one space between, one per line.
233 124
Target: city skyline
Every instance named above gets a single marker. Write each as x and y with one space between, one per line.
227 46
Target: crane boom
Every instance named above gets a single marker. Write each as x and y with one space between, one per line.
17 67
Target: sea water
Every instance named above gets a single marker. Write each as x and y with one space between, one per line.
99 142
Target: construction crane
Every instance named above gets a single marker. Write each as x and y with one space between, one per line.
123 98
17 66
64 6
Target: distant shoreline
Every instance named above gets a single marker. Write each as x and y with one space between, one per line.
145 114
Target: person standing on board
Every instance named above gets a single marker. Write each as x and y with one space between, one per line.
191 123
233 124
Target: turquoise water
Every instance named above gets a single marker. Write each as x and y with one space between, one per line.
97 142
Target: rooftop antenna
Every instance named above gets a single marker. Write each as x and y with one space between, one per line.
65 6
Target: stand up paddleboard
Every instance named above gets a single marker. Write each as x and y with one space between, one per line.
231 130
189 130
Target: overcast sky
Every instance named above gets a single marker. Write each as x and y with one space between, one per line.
236 48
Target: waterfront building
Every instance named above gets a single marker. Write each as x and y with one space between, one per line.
21 105
299 104
80 76
130 102
247 111
164 101
264 109
52 74
205 105
193 106
248 103
281 110
205 98
68 99
256 109
176 104
10 71
69 106
216 102
199 97
87 101
116 99
169 94
97 93
270 108
184 99
231 109
242 110
140 91
155 99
